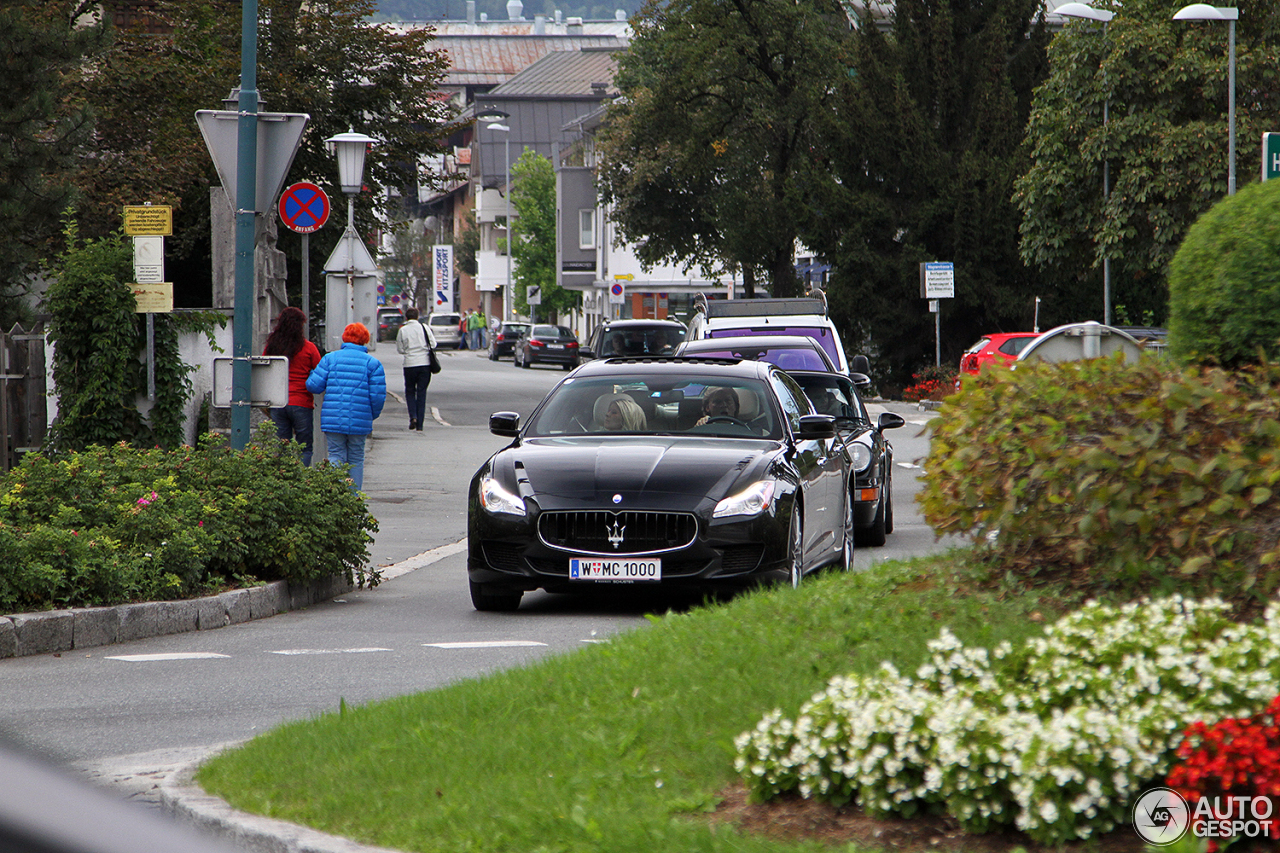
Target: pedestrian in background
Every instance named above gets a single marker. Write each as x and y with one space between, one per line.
415 341
463 343
355 388
295 420
475 326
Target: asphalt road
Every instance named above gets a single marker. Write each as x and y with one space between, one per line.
126 705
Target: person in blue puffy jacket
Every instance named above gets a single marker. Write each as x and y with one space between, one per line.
354 387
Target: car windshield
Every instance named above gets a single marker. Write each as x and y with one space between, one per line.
552 332
821 335
787 358
693 404
640 341
833 395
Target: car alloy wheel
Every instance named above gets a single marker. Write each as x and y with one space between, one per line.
846 547
796 547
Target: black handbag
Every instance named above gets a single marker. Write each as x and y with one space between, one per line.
432 358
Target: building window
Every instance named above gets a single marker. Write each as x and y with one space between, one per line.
586 229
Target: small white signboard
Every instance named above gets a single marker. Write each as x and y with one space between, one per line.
937 280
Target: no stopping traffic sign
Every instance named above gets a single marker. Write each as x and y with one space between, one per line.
304 207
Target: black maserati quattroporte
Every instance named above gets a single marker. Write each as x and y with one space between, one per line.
697 473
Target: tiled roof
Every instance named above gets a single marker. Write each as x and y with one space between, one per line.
563 73
490 60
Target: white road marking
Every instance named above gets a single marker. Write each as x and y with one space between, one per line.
486 644
908 465
326 651
168 656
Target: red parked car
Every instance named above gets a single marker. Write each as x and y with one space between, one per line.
1001 348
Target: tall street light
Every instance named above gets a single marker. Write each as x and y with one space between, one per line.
508 298
1082 10
1205 12
344 301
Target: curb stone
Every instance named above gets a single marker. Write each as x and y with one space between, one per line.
182 798
54 631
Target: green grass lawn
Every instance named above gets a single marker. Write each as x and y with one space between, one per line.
617 747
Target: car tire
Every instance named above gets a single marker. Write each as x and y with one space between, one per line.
493 354
795 548
570 366
482 598
874 535
525 362
888 502
845 563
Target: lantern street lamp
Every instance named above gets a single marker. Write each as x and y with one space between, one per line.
351 274
1230 14
1087 12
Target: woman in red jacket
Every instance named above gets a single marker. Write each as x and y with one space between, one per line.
296 419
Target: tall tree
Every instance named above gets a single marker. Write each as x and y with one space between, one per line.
924 148
319 57
43 47
533 195
1165 138
706 157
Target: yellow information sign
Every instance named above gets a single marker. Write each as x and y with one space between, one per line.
624 277
148 220
153 298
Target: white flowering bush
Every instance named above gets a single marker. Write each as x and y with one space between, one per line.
1054 738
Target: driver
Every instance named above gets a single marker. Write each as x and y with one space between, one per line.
718 402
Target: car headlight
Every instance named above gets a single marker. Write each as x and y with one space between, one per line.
496 499
861 456
752 500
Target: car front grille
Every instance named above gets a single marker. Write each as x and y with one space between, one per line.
604 532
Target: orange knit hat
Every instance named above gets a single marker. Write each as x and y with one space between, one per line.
356 333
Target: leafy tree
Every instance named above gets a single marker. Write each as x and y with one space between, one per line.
1165 138
708 155
319 57
43 45
533 195
924 135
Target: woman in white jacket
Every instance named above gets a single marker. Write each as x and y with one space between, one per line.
414 341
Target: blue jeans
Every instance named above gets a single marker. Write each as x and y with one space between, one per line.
416 380
348 450
296 422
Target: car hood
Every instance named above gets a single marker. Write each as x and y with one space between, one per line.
643 472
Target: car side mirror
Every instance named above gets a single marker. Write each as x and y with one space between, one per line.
860 380
586 352
505 424
816 427
860 364
890 420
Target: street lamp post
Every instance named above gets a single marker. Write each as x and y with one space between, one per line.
1082 10
350 149
1230 14
508 298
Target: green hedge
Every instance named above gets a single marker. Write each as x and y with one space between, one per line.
111 525
1134 479
1224 282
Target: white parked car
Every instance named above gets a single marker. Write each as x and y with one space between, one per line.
445 328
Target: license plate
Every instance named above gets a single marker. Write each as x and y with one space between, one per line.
619 571
555 346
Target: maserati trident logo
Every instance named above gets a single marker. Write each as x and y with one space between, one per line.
616 531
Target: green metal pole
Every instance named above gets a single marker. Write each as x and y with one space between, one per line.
245 202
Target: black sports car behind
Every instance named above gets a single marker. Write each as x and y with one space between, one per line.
870 455
708 474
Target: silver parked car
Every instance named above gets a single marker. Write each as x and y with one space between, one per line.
444 325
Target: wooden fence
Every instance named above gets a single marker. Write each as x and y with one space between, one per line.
24 414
